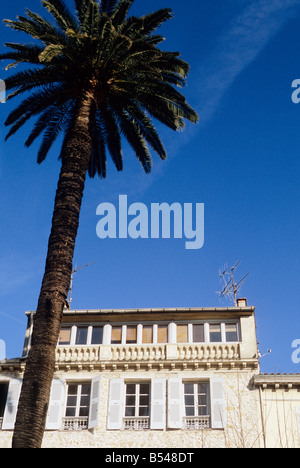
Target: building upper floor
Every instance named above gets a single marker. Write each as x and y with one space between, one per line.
156 337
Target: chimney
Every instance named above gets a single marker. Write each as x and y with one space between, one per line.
242 302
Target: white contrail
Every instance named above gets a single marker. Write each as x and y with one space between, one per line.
12 318
246 37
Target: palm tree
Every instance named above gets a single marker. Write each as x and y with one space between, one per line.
94 76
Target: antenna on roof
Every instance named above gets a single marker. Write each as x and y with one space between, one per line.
76 269
231 288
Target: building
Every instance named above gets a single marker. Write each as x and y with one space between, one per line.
159 378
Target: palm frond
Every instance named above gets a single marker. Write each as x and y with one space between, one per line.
55 126
108 6
112 135
154 20
61 13
24 53
120 14
136 140
98 153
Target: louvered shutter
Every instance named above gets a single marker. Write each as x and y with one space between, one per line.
158 404
54 416
218 405
175 403
12 401
95 402
115 408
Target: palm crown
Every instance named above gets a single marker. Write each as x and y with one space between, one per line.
114 58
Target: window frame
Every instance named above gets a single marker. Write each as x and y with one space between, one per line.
207 330
79 395
172 332
137 406
196 395
74 333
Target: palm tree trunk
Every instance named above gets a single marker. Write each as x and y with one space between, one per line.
40 364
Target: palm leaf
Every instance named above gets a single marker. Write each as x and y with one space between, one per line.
62 15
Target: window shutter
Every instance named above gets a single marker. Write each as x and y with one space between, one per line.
218 404
53 422
115 408
12 401
158 404
175 403
94 403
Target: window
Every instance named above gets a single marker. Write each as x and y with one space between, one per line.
3 398
81 336
182 334
215 333
116 335
137 400
131 334
78 400
137 406
65 336
97 336
196 399
198 333
147 334
162 334
231 331
196 404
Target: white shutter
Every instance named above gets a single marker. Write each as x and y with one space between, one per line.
12 401
95 402
115 408
218 404
175 403
54 416
158 404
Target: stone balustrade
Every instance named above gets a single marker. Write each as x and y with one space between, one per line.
148 353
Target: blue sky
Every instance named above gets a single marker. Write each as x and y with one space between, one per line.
241 161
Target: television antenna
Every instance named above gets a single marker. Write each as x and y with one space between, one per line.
76 269
231 288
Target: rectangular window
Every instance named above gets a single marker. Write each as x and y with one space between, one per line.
231 332
81 336
65 336
137 400
162 334
215 333
97 336
131 334
3 397
78 400
116 335
196 399
198 333
182 334
147 334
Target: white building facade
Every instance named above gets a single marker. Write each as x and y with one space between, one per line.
159 378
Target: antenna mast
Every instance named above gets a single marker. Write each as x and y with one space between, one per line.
76 269
231 288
